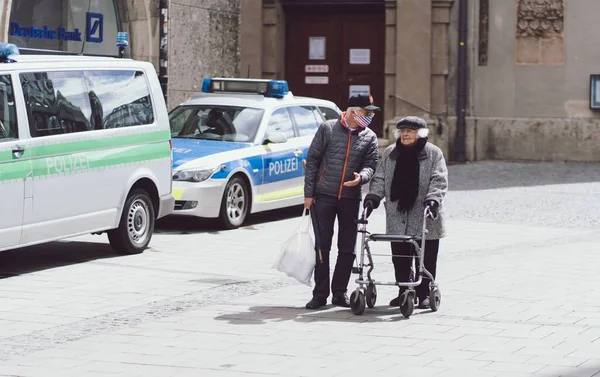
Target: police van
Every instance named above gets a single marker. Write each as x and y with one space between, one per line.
85 147
238 148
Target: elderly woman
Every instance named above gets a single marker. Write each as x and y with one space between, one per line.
411 174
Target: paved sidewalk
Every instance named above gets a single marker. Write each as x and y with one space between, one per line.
520 297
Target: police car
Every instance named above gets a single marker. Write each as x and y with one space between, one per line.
238 148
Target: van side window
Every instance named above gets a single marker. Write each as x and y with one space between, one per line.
8 117
76 101
57 102
119 99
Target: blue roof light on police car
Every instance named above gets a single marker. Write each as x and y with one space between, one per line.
277 89
206 85
8 49
268 88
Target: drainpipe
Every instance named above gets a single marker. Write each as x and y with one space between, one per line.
462 89
5 18
163 56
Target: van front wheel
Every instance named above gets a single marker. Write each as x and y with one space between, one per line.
136 226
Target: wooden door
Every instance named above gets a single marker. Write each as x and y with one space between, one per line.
353 53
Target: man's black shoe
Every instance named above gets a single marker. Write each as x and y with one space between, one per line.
316 303
341 300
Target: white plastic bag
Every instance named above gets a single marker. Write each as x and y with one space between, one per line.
298 258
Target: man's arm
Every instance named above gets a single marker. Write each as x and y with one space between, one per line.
438 185
313 161
370 161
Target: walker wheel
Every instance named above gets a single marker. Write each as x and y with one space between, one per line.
407 304
435 299
357 302
371 295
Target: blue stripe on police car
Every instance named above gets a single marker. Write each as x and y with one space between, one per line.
186 150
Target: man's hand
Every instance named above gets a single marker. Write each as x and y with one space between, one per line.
355 182
308 202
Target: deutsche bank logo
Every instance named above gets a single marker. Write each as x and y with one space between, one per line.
94 27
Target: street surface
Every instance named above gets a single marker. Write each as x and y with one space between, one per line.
518 276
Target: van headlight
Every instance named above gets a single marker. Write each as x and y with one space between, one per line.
199 175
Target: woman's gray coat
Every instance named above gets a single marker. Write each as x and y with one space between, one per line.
433 185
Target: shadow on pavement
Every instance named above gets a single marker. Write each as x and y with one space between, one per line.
487 175
259 315
190 225
51 255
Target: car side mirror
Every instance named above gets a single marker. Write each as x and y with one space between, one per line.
276 137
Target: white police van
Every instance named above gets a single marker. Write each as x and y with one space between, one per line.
238 148
85 147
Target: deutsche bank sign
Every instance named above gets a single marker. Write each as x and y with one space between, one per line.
94 30
94 27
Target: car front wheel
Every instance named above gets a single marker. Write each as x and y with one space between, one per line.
235 204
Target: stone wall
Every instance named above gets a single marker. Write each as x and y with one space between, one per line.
203 41
529 94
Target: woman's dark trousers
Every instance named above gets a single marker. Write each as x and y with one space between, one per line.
402 263
327 208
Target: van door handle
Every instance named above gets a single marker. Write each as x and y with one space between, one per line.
298 152
18 151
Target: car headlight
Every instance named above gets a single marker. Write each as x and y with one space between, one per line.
199 175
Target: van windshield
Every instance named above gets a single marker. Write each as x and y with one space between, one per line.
215 122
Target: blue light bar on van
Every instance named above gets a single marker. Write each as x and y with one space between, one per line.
268 88
8 49
122 37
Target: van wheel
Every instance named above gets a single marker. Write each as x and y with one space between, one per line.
136 226
235 204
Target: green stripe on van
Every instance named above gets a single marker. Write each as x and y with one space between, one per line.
86 145
15 170
81 156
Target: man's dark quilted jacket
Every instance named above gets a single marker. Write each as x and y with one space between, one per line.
334 156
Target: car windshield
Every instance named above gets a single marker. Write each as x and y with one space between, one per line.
215 122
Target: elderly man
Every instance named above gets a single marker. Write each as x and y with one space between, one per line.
342 157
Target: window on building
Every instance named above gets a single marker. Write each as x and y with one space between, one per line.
281 121
8 117
329 113
305 118
77 101
76 26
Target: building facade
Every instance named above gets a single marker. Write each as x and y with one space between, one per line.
184 39
521 73
530 90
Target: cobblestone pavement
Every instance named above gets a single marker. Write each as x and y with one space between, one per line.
521 295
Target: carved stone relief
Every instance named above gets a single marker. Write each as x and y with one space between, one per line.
540 32
540 18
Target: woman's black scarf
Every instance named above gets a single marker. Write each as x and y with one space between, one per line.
405 185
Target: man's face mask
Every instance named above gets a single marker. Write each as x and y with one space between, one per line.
363 121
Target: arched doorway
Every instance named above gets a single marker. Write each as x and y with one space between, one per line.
74 26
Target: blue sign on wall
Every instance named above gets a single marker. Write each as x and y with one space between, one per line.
94 31
94 27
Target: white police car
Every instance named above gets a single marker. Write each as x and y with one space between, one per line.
238 148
